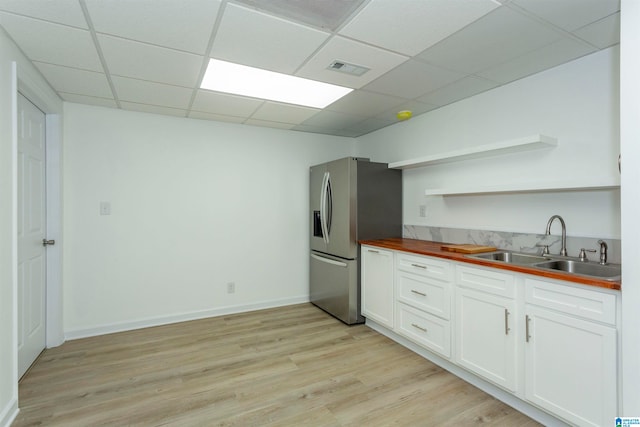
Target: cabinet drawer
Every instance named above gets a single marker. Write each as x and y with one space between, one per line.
425 266
424 293
428 331
486 281
585 303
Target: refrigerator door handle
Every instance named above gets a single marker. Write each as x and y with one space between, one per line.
323 207
329 205
328 261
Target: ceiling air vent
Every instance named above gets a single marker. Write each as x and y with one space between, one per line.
344 67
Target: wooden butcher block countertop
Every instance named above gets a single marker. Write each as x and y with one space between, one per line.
424 247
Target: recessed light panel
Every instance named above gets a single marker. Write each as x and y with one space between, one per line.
238 79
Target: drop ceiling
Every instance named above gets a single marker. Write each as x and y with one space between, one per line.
151 55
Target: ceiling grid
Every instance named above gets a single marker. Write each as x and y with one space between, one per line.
151 55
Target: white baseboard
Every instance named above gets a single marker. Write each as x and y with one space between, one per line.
9 413
181 317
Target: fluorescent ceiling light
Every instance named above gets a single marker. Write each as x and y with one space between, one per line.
227 77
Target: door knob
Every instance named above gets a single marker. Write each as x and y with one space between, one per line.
46 242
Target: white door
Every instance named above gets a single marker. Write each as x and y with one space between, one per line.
485 336
31 232
571 367
377 285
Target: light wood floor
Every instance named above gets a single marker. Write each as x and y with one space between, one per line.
288 366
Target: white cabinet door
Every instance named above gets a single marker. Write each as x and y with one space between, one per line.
377 285
485 336
571 367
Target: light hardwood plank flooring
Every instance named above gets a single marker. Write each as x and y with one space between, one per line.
288 366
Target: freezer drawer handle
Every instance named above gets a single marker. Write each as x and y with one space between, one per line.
329 261
419 266
419 327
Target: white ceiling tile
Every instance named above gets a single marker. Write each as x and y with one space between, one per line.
142 61
154 109
67 12
52 43
283 113
73 80
412 79
334 120
144 92
603 33
458 90
183 25
570 14
541 59
371 125
252 38
89 100
217 117
338 48
322 14
363 103
266 123
410 26
315 129
498 37
223 104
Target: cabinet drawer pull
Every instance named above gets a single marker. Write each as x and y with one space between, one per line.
373 251
419 266
418 293
419 327
506 322
526 327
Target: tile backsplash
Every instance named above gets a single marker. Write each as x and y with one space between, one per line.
520 242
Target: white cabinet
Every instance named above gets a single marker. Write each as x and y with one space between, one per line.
423 294
377 285
550 343
485 325
570 359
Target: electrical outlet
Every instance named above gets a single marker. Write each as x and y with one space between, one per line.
231 287
423 211
105 208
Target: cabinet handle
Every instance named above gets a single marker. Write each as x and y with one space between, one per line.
418 292
419 266
526 327
419 327
506 322
372 251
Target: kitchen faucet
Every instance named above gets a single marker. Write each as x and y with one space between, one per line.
603 251
563 249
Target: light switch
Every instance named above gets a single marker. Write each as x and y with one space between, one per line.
105 208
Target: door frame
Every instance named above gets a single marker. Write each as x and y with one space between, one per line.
33 88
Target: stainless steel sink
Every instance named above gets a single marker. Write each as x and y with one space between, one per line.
610 272
511 257
606 272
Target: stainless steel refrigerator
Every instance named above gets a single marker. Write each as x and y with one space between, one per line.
351 199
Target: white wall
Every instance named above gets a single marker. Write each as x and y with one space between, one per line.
15 72
577 103
195 205
8 371
630 135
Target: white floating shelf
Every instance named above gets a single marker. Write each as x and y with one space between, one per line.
602 184
503 147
